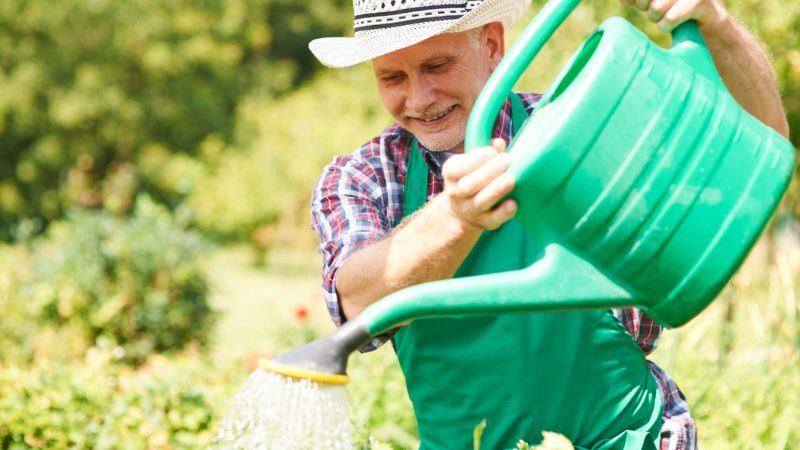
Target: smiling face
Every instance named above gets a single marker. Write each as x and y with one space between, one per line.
429 88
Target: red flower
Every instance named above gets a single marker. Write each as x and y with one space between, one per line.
301 313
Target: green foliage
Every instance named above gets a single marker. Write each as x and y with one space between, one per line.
96 403
135 282
754 405
87 86
285 144
736 363
380 398
477 435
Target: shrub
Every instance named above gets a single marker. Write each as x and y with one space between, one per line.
135 282
167 403
283 148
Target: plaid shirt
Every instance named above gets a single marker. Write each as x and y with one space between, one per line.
359 198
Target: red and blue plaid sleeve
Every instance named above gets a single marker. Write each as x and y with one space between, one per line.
678 428
356 201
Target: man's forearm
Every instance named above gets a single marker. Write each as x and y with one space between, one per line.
746 71
428 246
431 244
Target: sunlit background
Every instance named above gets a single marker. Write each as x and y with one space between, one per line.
157 163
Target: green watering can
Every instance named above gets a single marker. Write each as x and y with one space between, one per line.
645 181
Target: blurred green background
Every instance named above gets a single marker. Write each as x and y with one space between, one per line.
156 162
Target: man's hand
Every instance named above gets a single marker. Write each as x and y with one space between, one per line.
431 244
668 14
473 184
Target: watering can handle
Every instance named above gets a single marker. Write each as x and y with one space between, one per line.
687 42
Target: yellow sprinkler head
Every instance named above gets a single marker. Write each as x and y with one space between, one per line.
300 373
323 360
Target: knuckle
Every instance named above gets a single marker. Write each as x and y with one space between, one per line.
665 25
447 169
670 17
458 192
452 171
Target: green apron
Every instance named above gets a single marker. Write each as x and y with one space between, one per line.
577 373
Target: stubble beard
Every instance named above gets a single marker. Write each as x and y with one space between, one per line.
449 137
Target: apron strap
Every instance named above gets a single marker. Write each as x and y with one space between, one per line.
518 114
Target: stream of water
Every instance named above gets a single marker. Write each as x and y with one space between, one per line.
279 413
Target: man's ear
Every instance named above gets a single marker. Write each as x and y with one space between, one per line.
493 39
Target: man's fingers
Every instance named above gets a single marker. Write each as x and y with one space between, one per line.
472 183
668 14
504 212
658 8
493 192
475 182
676 12
498 144
461 165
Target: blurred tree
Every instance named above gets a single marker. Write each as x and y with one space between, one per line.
87 86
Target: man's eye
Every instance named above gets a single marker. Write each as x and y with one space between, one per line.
392 79
437 67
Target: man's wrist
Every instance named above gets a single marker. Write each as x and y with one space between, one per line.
720 28
458 226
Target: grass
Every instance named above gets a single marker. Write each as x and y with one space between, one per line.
256 304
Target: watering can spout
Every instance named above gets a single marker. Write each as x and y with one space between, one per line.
323 360
580 286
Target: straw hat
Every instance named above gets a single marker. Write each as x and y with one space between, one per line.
383 26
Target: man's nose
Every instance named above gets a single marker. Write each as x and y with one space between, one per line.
422 94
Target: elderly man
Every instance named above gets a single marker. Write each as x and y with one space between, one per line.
409 207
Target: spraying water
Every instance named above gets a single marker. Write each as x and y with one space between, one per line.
279 413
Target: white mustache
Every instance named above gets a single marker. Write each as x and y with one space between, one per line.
430 114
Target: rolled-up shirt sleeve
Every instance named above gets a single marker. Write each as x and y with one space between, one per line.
347 213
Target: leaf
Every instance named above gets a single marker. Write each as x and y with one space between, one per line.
477 432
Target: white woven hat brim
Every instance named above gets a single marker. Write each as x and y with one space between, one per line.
339 52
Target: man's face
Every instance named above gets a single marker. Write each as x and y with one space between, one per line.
430 87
